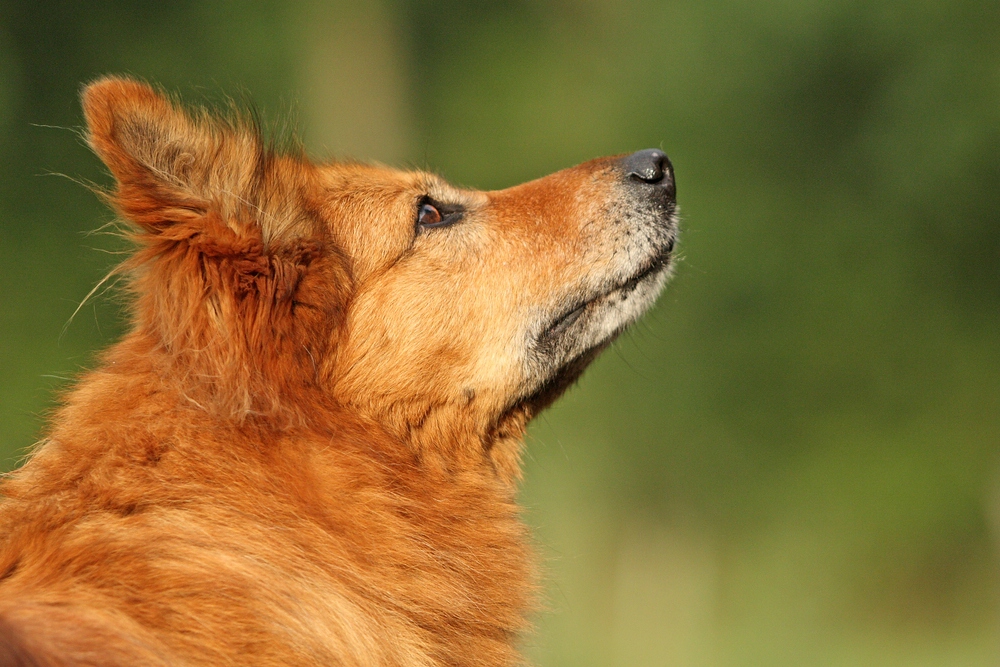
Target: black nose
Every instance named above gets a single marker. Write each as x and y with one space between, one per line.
650 166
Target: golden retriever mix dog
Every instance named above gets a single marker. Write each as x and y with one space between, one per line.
305 450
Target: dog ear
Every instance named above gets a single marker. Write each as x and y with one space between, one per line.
233 276
174 168
153 150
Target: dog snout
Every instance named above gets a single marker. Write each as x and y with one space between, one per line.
651 167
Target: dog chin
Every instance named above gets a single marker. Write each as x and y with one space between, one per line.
606 316
560 354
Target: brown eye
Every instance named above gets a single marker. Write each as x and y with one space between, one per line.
428 215
431 214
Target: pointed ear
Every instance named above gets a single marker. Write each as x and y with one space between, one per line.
139 134
153 150
175 167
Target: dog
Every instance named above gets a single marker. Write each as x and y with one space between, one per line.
306 448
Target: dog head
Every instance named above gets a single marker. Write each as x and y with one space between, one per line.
270 287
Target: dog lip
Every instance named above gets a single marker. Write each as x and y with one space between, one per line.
659 262
565 320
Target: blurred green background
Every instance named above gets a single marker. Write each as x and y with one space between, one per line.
794 459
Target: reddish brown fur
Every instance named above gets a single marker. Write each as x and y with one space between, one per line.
305 449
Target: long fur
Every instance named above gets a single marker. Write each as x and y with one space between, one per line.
305 449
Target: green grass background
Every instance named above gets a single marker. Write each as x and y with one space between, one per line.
793 460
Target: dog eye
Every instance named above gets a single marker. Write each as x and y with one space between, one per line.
431 215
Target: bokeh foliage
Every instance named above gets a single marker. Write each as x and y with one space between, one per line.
793 459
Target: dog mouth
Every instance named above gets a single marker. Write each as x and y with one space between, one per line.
619 292
578 334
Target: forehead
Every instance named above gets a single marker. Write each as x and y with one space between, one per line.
382 185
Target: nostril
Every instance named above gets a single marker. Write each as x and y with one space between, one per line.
648 166
651 166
